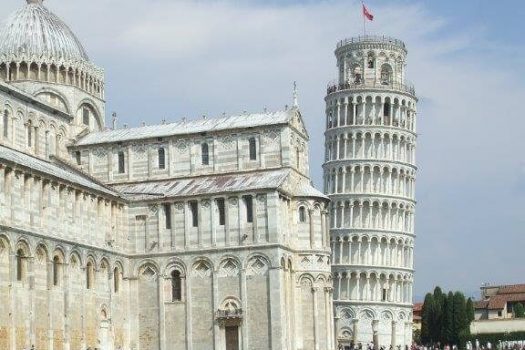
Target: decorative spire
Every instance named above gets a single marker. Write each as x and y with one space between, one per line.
295 96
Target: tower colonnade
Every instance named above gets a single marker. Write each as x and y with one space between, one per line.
369 175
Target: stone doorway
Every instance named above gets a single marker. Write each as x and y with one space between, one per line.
232 337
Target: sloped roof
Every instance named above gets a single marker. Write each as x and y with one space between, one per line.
204 185
52 169
498 302
187 127
512 289
278 179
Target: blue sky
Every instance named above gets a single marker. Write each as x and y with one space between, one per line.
170 59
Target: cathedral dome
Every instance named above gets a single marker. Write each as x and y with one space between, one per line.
34 33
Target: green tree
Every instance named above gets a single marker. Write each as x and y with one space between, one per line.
519 310
470 311
436 331
427 312
460 321
447 331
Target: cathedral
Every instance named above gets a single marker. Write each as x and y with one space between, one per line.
196 235
202 234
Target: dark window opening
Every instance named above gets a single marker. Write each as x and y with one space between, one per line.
248 202
383 294
6 123
85 116
386 110
56 272
194 213
221 209
302 214
162 158
78 157
205 154
121 163
253 148
370 63
176 286
20 265
167 215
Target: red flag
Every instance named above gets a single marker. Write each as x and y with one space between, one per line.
367 13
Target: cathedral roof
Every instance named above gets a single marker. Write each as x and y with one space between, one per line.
35 34
54 170
277 179
188 127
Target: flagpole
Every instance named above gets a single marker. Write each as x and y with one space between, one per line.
364 19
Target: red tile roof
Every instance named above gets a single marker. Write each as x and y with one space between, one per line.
418 307
512 289
497 302
505 294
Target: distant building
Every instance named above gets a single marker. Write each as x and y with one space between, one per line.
497 302
494 313
416 312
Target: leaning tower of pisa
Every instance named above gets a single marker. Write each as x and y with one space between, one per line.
369 174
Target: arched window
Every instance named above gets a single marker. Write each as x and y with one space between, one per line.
20 265
386 109
116 279
176 286
357 74
370 60
56 271
386 74
205 151
253 148
6 124
302 214
121 163
162 158
90 275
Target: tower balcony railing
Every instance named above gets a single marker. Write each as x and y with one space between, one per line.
371 39
362 85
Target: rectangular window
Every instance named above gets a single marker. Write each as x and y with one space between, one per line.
85 116
253 148
221 210
6 124
248 202
162 158
205 154
78 157
167 215
29 135
194 208
121 163
383 294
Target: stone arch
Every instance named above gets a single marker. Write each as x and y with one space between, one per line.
202 267
229 266
175 264
46 91
148 271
